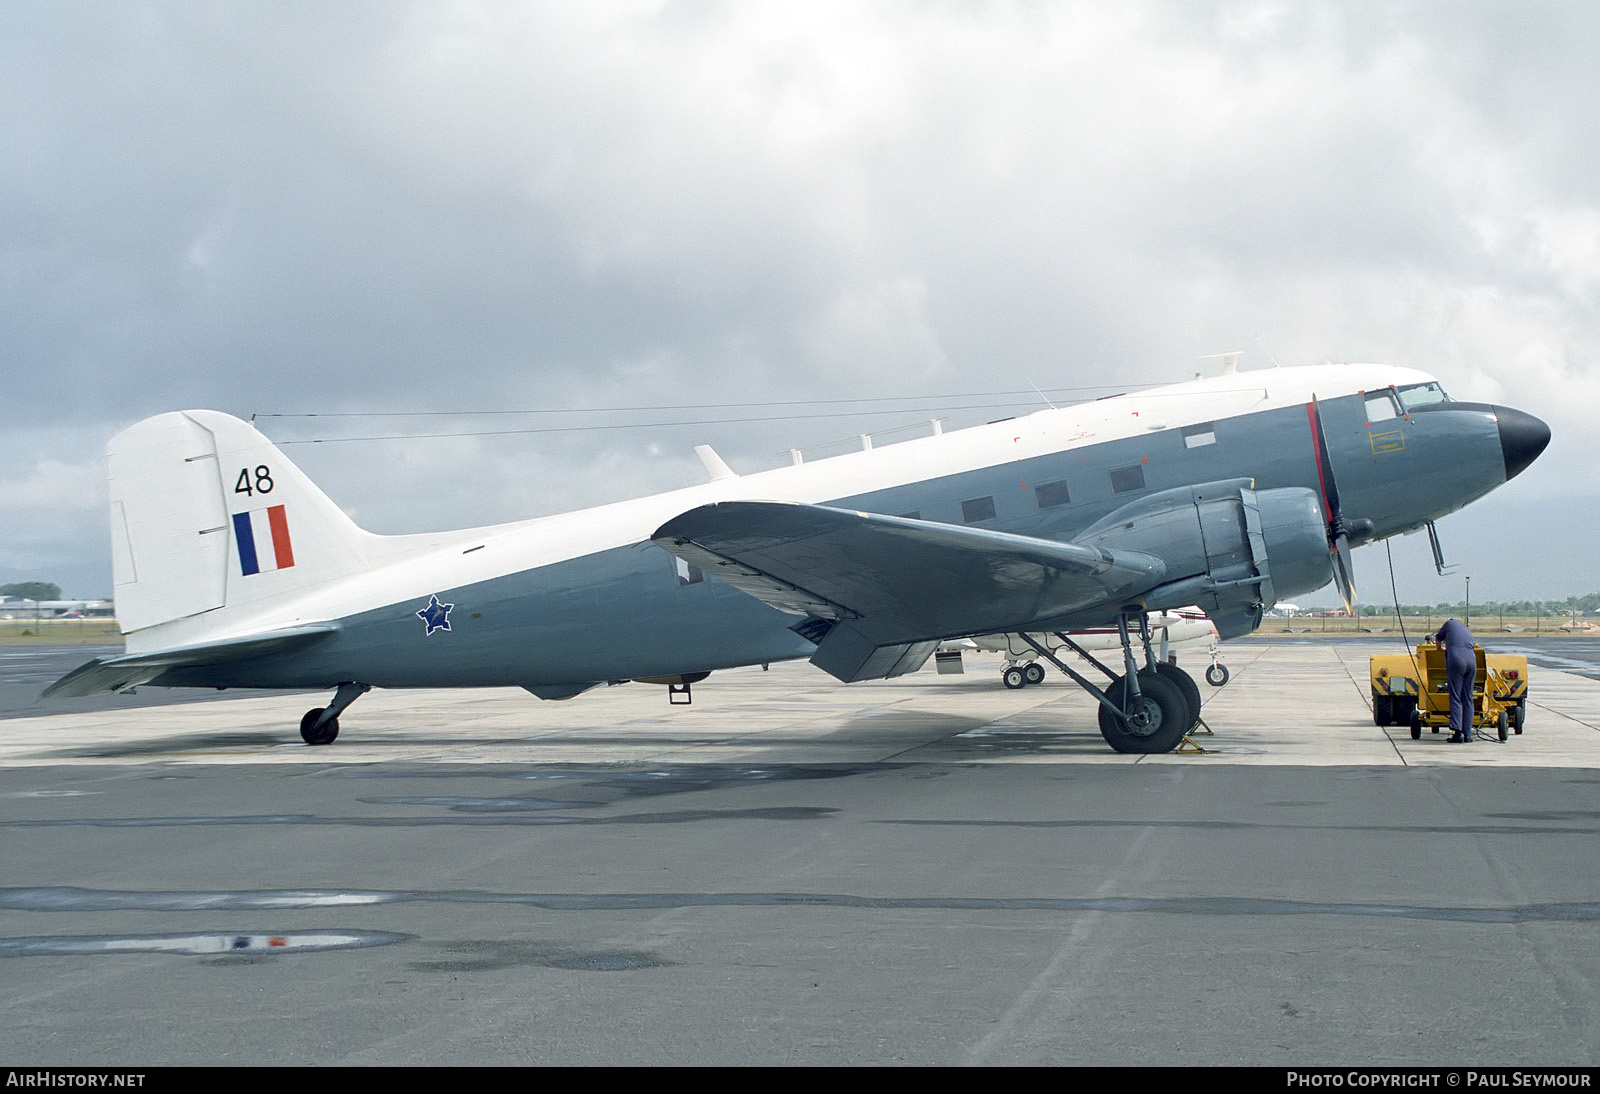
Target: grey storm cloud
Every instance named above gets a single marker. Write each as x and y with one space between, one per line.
341 208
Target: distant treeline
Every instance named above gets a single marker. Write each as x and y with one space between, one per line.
32 590
1580 604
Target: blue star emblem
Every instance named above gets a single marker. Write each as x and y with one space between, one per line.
436 615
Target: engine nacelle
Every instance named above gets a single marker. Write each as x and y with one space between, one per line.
1217 540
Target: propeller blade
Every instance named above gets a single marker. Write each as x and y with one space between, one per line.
1344 578
1344 575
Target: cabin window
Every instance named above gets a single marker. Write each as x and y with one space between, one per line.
1382 405
1124 479
977 509
1051 493
1196 436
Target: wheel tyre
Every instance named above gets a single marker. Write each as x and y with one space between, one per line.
1162 712
1382 710
1502 723
1186 685
1033 672
314 736
1014 678
1518 713
1217 675
1416 726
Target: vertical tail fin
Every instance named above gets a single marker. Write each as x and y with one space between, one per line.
207 516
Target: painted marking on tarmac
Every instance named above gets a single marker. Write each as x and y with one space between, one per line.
104 900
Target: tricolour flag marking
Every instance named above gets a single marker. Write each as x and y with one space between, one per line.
263 539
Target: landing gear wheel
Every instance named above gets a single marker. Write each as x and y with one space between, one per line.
1156 722
1416 726
1014 678
1217 675
311 734
1502 723
1382 710
1033 672
1186 685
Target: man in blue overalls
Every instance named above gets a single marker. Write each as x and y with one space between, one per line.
1460 665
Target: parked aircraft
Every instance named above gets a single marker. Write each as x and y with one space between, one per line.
233 570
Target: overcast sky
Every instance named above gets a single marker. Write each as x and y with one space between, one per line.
291 208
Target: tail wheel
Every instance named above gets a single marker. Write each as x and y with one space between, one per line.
313 734
1154 722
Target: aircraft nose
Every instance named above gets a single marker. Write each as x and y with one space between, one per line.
1522 438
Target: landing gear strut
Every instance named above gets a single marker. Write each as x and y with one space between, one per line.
1143 710
320 725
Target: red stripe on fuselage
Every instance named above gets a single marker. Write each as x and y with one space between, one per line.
1316 450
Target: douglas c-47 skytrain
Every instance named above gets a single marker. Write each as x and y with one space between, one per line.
233 570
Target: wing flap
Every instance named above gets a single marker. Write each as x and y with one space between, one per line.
110 674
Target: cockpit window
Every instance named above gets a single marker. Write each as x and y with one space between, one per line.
1415 395
1381 405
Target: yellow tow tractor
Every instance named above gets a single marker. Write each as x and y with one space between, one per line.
1415 690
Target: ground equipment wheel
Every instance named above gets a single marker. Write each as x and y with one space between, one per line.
1014 678
1518 713
1502 723
1033 672
312 734
1217 675
1155 722
1382 710
1416 725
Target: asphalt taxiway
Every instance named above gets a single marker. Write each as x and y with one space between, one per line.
926 870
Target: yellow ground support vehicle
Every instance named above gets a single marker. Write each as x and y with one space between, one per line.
1414 689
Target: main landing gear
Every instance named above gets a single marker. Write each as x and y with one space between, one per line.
1150 709
320 725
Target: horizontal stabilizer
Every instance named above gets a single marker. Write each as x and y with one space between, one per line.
900 581
111 674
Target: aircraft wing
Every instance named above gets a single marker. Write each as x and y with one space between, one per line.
894 586
108 674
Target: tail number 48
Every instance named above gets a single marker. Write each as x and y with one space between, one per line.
261 484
